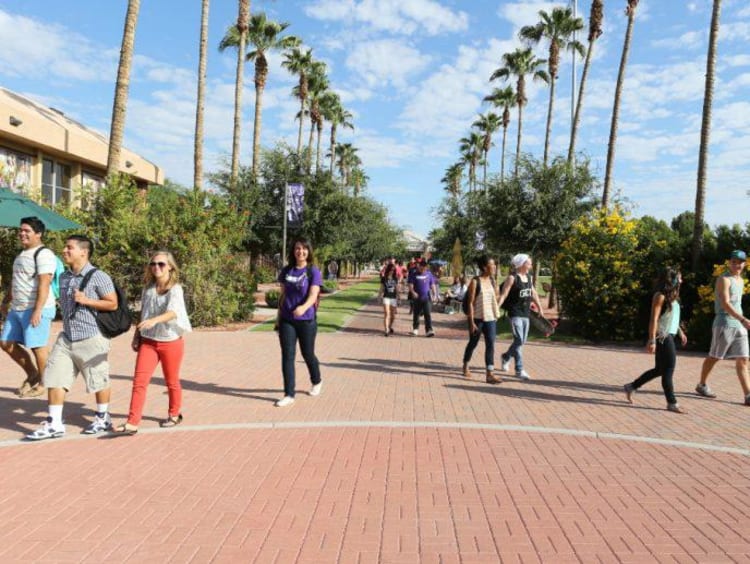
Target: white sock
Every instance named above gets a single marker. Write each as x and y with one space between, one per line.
55 413
102 408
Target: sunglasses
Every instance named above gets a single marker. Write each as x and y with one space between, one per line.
159 264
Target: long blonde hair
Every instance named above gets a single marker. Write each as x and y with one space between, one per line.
174 270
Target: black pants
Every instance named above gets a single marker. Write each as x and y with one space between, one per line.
666 359
422 306
289 333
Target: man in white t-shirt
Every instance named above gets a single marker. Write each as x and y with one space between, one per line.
29 307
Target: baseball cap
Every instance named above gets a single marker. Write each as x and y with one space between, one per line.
737 254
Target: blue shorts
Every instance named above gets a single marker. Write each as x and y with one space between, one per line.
18 329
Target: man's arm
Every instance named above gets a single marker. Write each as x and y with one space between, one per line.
108 302
507 285
42 293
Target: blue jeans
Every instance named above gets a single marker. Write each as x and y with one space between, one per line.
520 328
289 333
489 330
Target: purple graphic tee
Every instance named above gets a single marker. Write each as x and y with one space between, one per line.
295 284
422 283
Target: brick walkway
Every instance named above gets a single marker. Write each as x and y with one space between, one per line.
399 460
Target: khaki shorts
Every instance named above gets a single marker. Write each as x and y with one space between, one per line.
390 302
729 342
67 359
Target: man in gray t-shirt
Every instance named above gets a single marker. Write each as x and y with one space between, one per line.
29 307
729 338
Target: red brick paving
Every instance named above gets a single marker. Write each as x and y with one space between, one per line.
399 460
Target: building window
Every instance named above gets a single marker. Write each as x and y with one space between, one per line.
56 183
91 184
15 170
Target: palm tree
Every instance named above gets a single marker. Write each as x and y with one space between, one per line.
264 35
335 114
346 160
298 62
452 179
120 104
200 102
358 179
503 98
471 151
557 28
236 37
595 30
488 124
520 63
317 84
630 12
708 97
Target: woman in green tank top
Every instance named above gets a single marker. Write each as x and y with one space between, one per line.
663 327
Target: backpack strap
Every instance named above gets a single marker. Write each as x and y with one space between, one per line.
36 264
83 284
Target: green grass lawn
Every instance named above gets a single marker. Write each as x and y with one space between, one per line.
335 310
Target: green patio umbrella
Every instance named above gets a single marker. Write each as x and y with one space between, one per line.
14 207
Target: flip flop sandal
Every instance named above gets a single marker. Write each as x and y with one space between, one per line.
34 391
126 429
171 421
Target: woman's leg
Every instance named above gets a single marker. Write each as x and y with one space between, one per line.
473 340
145 364
171 355
394 311
489 329
386 317
666 362
306 332
288 340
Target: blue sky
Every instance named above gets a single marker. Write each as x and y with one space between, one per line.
413 73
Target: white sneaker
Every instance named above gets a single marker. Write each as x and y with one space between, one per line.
523 375
415 332
47 431
505 365
430 333
285 401
315 390
99 424
705 391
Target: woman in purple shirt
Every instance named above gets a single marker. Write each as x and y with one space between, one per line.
300 286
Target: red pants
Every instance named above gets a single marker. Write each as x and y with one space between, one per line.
150 353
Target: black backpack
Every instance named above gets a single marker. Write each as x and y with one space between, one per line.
111 323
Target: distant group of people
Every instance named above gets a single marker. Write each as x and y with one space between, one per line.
518 296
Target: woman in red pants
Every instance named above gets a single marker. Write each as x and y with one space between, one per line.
158 338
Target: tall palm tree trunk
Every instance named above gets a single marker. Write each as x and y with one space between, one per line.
261 71
301 123
502 156
579 103
333 146
201 99
310 146
317 149
616 108
708 96
518 141
242 24
484 172
120 104
550 107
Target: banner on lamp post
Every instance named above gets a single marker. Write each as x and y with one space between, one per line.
295 204
479 240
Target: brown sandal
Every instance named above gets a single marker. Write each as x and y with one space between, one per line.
171 421
125 429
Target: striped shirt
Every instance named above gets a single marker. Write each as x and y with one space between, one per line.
79 322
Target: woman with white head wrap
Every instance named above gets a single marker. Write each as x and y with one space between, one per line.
517 295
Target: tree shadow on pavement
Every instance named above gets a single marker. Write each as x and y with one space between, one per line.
410 368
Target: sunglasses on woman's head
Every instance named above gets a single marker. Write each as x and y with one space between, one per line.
159 264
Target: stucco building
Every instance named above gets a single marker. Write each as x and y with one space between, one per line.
48 156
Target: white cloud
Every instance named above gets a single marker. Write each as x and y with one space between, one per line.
524 13
394 16
385 62
34 49
734 31
688 40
